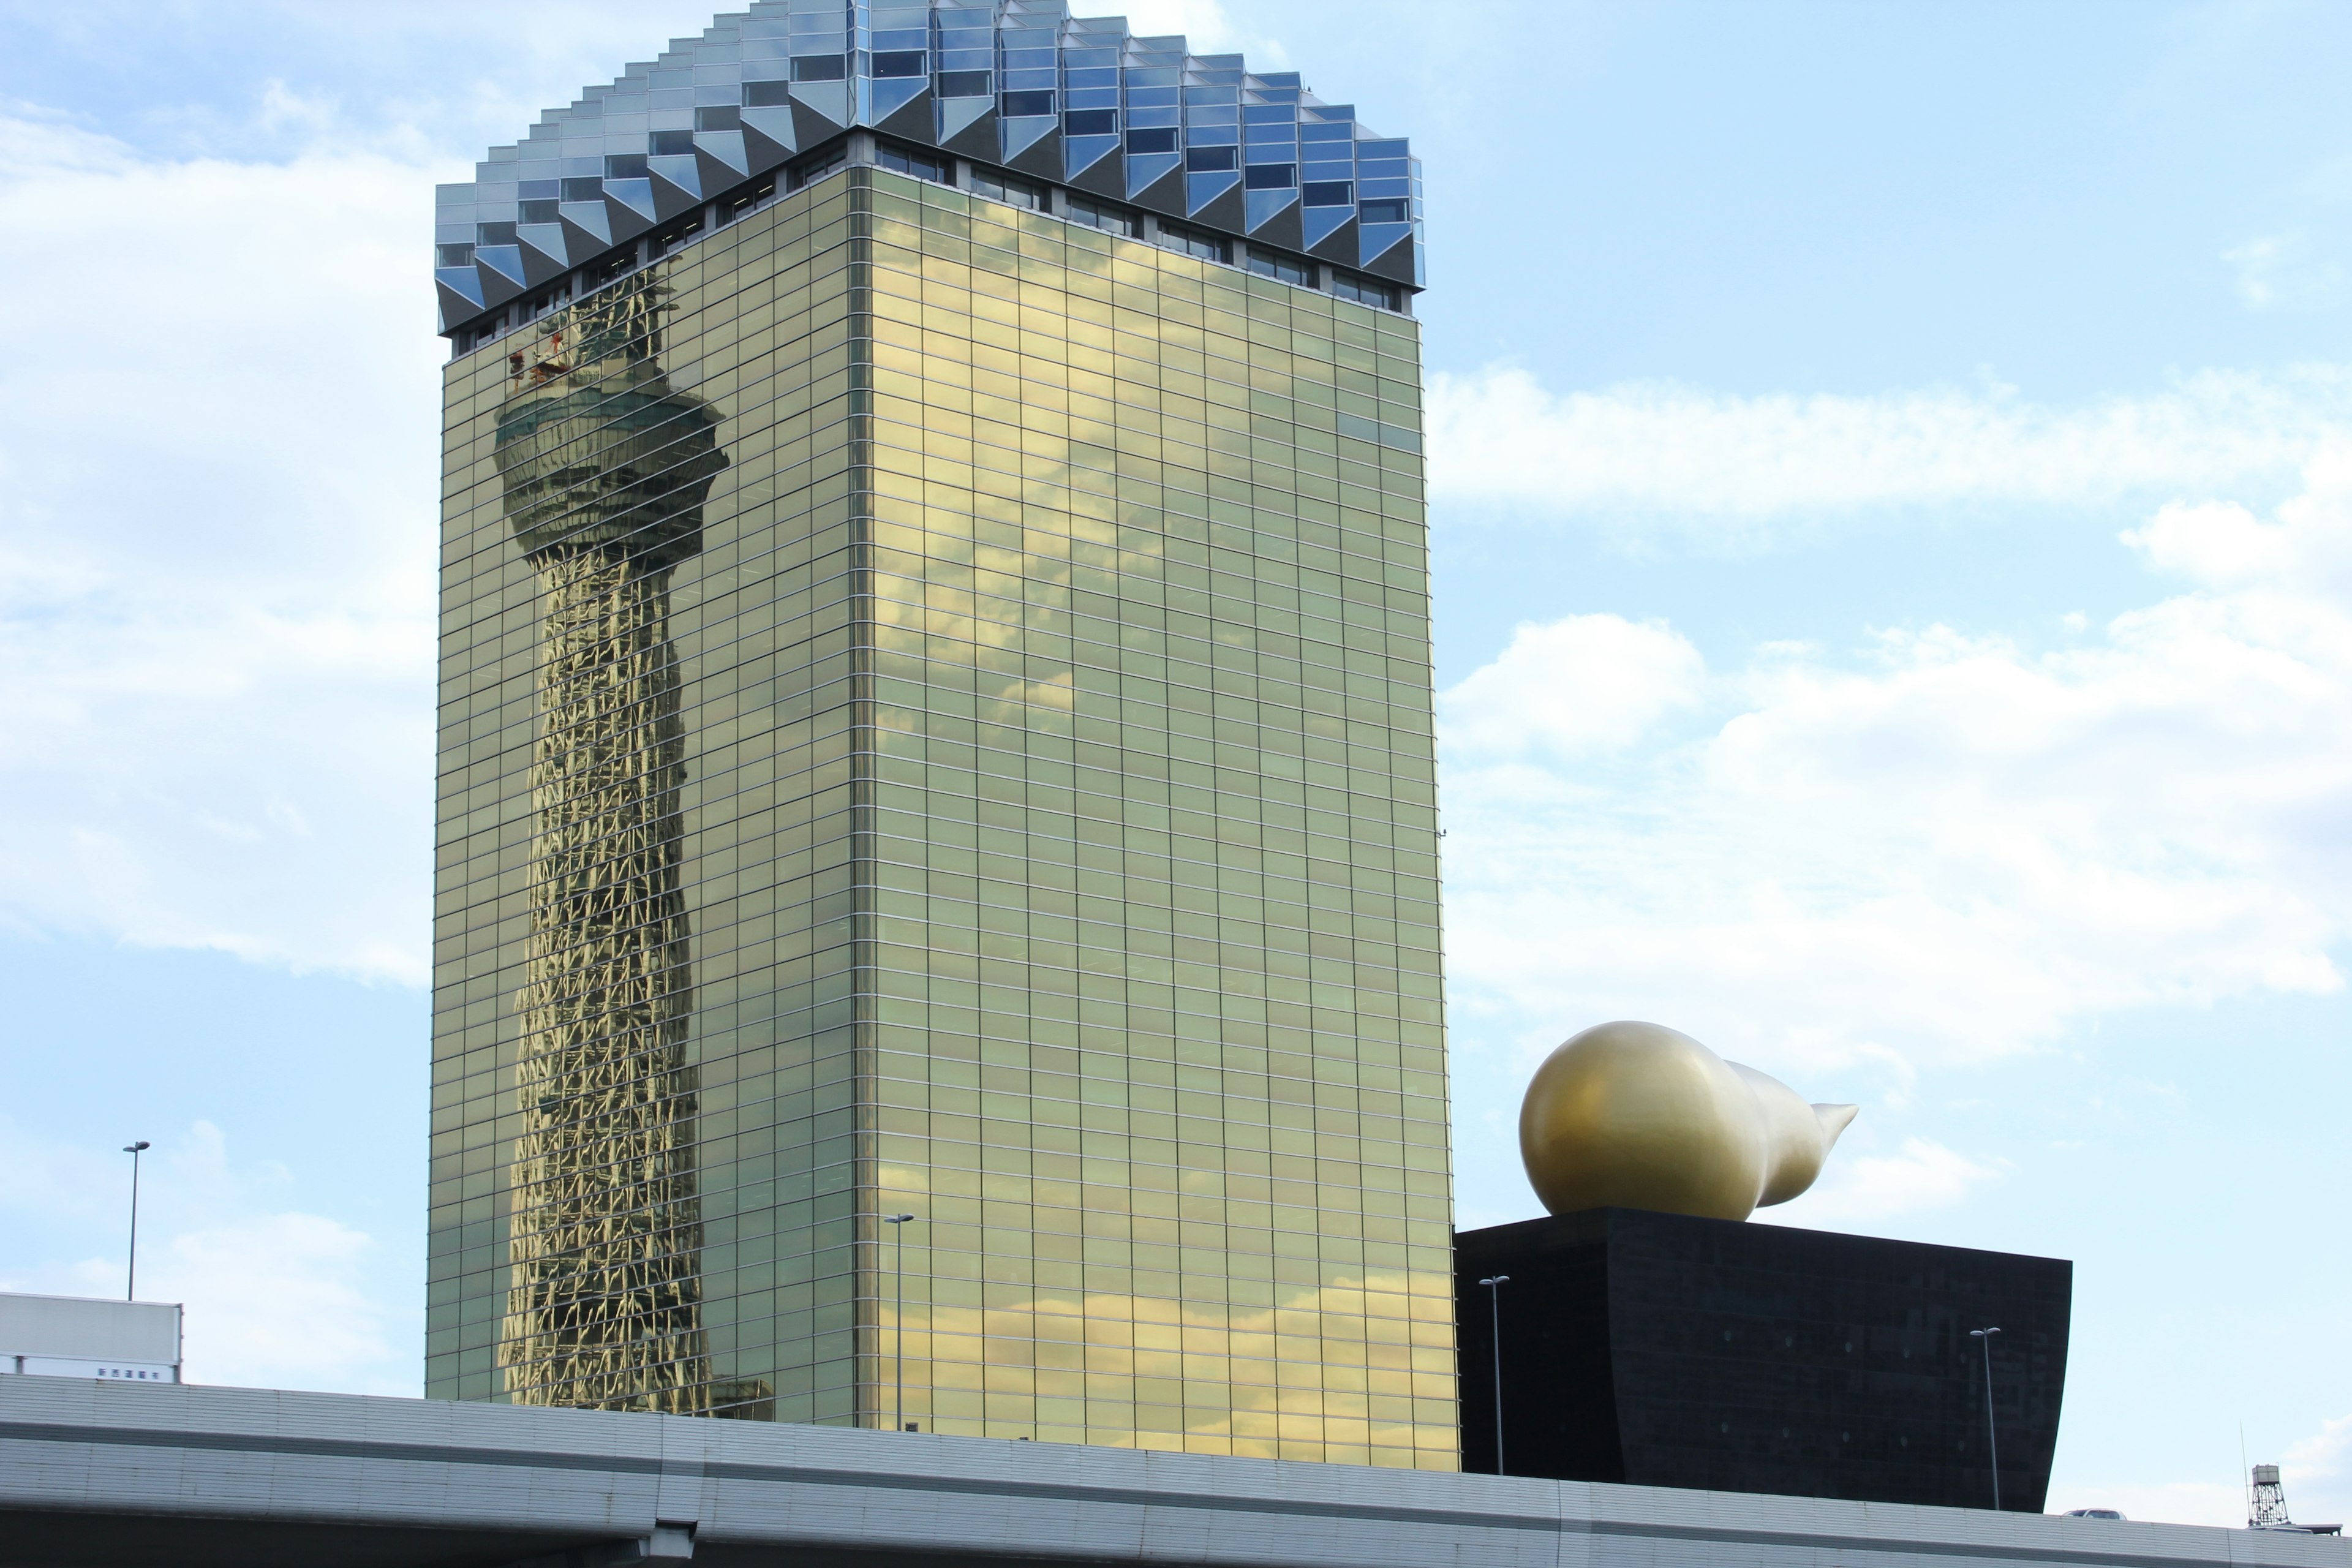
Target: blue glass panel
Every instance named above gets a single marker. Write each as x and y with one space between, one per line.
889 97
1080 154
679 128
504 259
1321 223
1261 205
1148 169
1200 190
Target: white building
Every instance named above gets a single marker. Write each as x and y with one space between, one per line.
73 1336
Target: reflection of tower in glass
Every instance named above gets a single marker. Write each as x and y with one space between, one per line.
605 468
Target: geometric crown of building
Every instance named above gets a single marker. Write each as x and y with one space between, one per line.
1018 84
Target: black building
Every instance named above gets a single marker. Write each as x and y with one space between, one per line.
1662 1350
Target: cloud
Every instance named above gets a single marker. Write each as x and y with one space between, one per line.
1584 683
1943 848
276 1297
216 551
1864 1189
1499 440
1207 28
2316 1473
2285 270
2315 1468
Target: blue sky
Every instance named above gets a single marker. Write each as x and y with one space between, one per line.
1891 476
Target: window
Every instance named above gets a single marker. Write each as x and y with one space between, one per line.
766 94
598 273
494 233
625 166
587 190
1101 216
539 212
996 187
721 117
899 62
1193 242
453 256
1267 264
1090 122
669 143
1270 176
670 239
1208 160
1391 210
1151 140
1025 105
1329 193
1364 290
819 165
903 161
962 84
819 68
744 200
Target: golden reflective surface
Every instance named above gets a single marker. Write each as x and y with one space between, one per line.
1635 1115
1055 833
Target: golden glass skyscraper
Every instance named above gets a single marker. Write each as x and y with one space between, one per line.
936 721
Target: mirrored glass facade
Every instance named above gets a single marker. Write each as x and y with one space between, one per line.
936 721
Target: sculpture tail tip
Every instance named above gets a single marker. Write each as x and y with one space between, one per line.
1836 1119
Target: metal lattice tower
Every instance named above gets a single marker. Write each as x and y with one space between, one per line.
2266 1508
606 468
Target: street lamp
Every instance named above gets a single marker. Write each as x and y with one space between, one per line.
898 1326
131 1280
1494 1285
1992 1445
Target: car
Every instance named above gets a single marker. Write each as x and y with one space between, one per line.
2094 1513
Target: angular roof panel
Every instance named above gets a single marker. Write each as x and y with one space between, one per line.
1017 83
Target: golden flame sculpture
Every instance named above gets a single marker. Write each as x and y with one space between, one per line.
1630 1115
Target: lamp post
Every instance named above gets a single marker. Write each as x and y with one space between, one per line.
1992 1445
1494 1285
898 1323
130 1279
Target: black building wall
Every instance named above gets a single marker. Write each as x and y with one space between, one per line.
1662 1350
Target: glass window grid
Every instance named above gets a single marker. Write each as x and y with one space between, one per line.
1324 547
738 65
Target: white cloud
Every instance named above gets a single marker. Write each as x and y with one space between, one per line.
2316 1470
277 1301
1499 438
217 447
2316 1474
1583 683
276 1297
2284 269
1863 1189
1207 28
1952 847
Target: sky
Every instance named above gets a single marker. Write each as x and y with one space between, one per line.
1890 475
